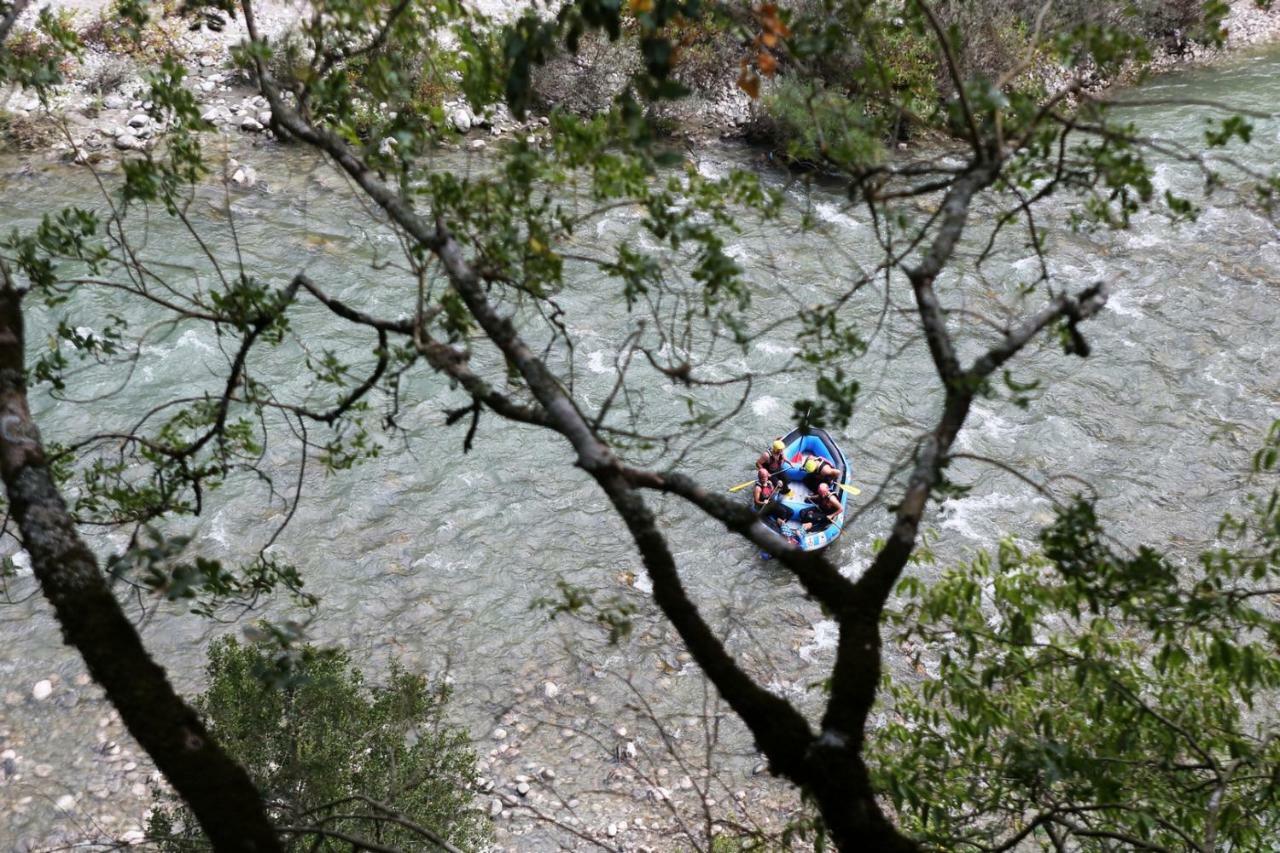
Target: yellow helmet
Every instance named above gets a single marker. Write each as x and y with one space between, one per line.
811 464
779 446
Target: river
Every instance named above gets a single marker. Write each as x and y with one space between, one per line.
433 558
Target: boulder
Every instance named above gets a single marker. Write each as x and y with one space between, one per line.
461 119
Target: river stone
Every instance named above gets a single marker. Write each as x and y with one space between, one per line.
495 807
461 119
66 802
264 117
139 120
550 690
42 770
42 690
523 789
250 124
128 142
114 102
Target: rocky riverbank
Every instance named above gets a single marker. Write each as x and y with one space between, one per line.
101 112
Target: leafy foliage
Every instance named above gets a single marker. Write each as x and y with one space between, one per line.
330 751
1080 692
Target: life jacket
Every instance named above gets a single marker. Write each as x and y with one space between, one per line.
767 490
775 462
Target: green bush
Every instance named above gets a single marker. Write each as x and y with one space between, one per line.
814 125
324 747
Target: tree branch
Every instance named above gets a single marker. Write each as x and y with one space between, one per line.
217 789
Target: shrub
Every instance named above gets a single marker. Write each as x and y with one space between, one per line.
813 125
321 736
27 132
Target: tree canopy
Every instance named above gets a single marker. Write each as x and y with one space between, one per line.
1085 693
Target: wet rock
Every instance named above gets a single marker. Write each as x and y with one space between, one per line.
264 118
66 803
129 142
476 145
250 124
139 120
8 767
214 115
522 789
42 770
42 690
244 176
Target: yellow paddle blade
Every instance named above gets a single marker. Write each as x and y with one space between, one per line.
853 490
741 486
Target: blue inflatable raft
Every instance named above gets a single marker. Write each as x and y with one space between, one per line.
783 512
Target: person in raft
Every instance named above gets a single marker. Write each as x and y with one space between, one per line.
818 470
765 488
827 507
772 459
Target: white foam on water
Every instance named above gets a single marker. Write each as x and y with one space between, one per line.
218 528
766 406
771 348
826 633
1029 266
21 562
193 338
831 214
990 424
969 515
1125 305
597 364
